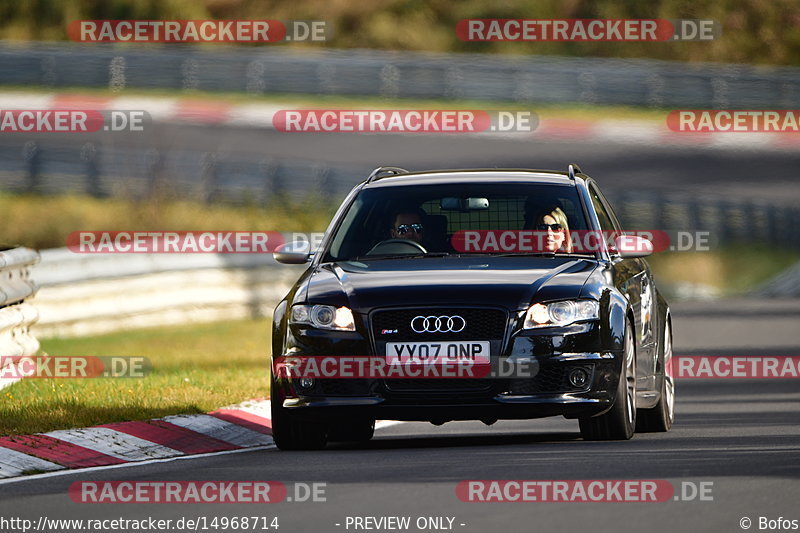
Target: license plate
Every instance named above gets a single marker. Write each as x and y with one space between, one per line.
430 353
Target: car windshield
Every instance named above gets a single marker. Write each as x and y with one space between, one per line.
468 218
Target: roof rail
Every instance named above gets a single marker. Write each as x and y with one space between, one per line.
572 170
382 172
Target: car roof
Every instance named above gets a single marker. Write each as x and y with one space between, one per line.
487 175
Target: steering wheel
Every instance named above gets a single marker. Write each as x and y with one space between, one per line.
397 247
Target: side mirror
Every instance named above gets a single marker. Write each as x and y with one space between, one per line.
631 246
293 253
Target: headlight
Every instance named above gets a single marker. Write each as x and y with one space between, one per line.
561 313
323 317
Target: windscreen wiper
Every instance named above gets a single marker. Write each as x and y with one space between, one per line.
417 256
519 254
541 254
401 256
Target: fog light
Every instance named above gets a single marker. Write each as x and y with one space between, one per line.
306 383
578 377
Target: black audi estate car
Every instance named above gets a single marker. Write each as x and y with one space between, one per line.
527 270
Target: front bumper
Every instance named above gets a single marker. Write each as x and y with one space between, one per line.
547 392
503 408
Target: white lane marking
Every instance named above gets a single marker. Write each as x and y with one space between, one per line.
114 443
14 463
70 472
220 429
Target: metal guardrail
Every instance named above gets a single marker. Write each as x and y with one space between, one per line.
15 284
98 293
48 168
539 79
728 221
16 316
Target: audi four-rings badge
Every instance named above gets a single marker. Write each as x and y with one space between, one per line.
438 324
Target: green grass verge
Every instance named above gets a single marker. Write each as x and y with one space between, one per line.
50 219
732 270
195 369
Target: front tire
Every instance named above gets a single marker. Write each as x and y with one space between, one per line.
293 433
618 423
661 417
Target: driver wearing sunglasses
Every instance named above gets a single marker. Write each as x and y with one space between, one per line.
554 221
408 225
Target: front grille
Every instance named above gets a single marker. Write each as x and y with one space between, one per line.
551 378
436 385
481 324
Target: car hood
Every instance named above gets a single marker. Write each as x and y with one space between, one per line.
510 282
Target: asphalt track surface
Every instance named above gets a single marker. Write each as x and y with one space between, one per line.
692 169
741 435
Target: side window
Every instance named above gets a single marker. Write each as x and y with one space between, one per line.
606 222
610 211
